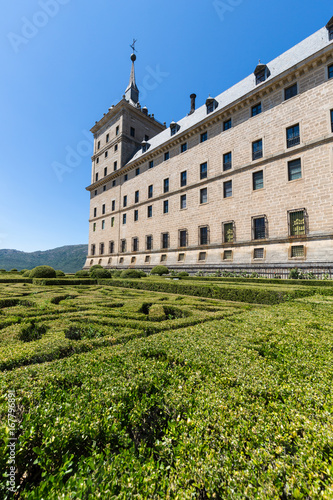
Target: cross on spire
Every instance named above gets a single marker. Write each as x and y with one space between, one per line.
133 45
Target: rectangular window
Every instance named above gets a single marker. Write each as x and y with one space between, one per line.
183 201
101 248
114 182
165 240
297 251
96 177
114 166
293 137
136 197
227 255
95 212
331 120
149 242
95 192
150 211
166 206
163 258
93 249
290 92
227 189
183 178
151 164
112 221
330 71
97 160
181 257
259 228
227 125
107 137
113 205
111 246
103 209
330 33
94 226
137 171
258 253
202 256
256 110
294 170
132 132
103 224
203 195
203 137
166 156
203 235
258 180
105 171
125 177
135 244
227 161
106 154
116 147
297 226
183 147
150 191
228 232
124 218
183 238
257 150
147 259
125 201
166 185
261 76
136 215
123 246
146 137
203 171
98 144
117 130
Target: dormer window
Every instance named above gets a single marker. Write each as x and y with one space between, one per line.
211 105
261 73
174 127
329 27
145 146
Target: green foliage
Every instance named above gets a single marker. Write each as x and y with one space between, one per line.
294 273
60 274
116 273
131 273
100 273
160 270
96 266
32 331
26 274
182 274
13 271
156 313
82 274
43 272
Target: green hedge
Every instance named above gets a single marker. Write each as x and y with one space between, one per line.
259 280
249 295
15 280
47 282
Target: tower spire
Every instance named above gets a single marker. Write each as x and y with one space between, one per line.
132 91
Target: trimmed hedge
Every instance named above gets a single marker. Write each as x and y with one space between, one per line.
43 272
259 280
15 280
54 281
249 295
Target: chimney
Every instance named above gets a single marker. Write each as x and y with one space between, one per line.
145 110
193 97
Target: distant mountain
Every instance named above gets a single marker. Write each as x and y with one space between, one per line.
69 259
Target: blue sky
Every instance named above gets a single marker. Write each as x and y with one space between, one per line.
64 62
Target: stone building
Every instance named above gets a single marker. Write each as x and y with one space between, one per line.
243 182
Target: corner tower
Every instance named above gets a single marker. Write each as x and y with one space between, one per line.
117 137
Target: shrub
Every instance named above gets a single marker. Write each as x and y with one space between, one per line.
130 273
60 274
160 270
74 332
26 274
43 272
31 332
23 271
13 271
3 271
100 273
156 313
183 274
116 273
96 266
294 274
82 274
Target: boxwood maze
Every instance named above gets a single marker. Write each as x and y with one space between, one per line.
129 393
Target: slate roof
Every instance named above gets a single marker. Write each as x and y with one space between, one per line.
282 63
